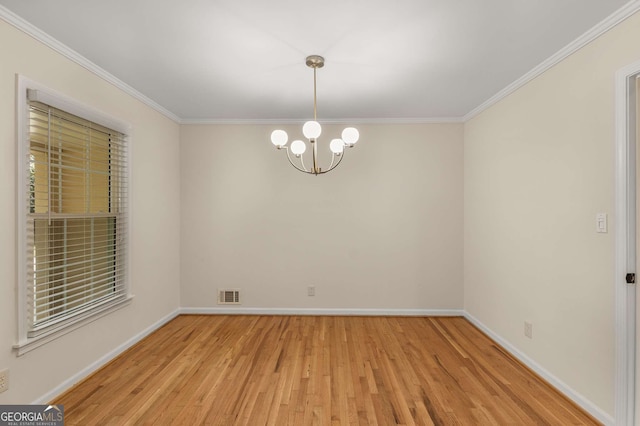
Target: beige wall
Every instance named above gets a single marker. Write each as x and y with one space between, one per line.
155 220
538 167
382 231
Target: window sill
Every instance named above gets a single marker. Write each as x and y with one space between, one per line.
29 344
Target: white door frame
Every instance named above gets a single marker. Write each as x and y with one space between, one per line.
625 248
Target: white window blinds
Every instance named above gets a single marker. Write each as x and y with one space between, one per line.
76 225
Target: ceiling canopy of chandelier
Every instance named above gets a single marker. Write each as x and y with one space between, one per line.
312 130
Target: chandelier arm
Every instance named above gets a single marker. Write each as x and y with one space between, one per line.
303 166
333 158
333 166
303 169
314 145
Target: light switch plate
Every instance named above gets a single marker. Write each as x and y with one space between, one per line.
602 227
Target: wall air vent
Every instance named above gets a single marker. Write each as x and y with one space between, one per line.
228 297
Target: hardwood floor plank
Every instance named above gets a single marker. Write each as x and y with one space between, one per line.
304 370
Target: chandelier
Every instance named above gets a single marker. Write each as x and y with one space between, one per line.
312 130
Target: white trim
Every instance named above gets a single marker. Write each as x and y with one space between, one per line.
22 130
602 27
99 363
624 294
74 56
324 311
353 121
583 402
38 92
30 344
66 104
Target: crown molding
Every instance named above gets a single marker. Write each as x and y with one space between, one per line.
343 121
74 56
602 27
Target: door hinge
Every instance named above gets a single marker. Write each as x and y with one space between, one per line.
631 278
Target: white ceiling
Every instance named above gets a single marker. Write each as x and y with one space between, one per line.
230 60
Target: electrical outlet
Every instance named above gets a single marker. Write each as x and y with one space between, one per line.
4 380
311 290
528 330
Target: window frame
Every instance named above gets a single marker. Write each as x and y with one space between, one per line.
60 101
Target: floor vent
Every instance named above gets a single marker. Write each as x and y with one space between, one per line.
228 297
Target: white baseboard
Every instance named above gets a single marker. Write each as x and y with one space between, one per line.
580 400
99 363
323 311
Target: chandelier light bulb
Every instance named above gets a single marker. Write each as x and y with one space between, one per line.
279 138
336 146
350 135
311 129
298 147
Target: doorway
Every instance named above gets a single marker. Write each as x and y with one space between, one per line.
627 244
636 133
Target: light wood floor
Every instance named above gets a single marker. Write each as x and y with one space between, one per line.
303 370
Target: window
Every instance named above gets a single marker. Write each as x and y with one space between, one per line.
74 210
